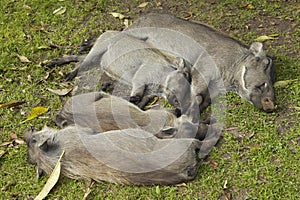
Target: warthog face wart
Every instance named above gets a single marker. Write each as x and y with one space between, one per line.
257 76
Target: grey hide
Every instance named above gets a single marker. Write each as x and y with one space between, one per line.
103 112
129 156
219 61
132 63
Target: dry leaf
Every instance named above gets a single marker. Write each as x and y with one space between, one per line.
255 148
152 103
273 35
225 184
26 6
62 92
29 78
44 47
65 84
11 104
8 185
2 153
117 15
5 144
181 185
187 15
249 6
227 194
13 136
213 164
126 23
54 46
19 141
142 5
264 38
46 77
89 190
23 59
35 112
60 11
13 68
37 28
52 180
283 83
157 190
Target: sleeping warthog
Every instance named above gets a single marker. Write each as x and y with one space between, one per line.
134 69
103 112
219 62
133 62
178 92
244 70
130 156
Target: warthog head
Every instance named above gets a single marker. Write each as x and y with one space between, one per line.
256 78
37 141
177 87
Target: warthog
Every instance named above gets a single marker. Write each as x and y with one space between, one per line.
246 71
129 156
137 70
178 92
132 62
219 62
153 74
103 112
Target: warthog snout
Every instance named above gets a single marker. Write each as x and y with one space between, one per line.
267 104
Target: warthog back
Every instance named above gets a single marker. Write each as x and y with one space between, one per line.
220 62
130 156
103 112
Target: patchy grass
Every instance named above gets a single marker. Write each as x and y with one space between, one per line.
258 156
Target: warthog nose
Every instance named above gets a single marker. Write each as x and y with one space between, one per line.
267 104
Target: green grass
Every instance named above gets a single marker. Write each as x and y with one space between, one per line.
258 155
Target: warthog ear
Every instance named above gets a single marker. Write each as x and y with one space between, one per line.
45 138
43 144
28 134
257 49
167 132
184 67
180 63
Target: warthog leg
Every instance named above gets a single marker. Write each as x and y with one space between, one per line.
66 60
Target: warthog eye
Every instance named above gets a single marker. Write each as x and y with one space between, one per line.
33 140
262 87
